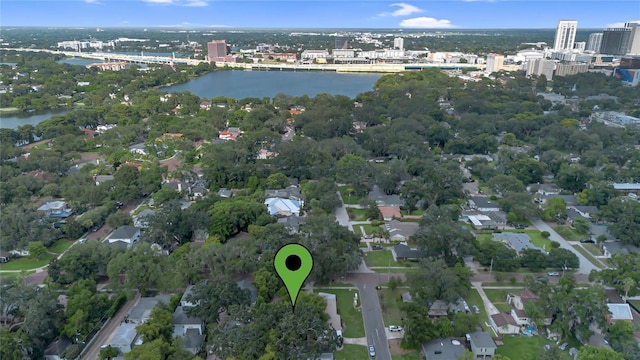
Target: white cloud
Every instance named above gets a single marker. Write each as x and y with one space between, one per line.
92 1
426 23
615 25
196 3
164 2
405 9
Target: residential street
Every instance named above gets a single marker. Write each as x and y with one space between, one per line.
585 265
107 331
373 324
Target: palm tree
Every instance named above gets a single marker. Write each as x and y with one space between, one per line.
628 284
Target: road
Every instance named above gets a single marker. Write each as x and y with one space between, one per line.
585 265
107 331
342 216
373 324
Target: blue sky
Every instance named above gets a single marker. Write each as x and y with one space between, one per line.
455 14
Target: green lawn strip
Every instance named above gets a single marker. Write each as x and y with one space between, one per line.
362 244
60 246
357 214
504 307
569 233
379 258
635 303
352 352
368 228
589 257
593 249
357 230
339 284
409 356
499 295
26 263
474 299
503 284
538 240
390 303
413 213
351 318
522 347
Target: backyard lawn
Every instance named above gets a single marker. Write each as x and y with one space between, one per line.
379 258
26 263
352 352
350 200
357 214
569 233
410 356
522 347
499 295
351 318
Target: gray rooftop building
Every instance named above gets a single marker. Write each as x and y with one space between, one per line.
519 242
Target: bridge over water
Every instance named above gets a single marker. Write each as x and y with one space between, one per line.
151 59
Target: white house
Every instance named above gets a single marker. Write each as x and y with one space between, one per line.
520 316
283 207
124 236
138 149
504 323
482 204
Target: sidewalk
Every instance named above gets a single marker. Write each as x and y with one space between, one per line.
488 305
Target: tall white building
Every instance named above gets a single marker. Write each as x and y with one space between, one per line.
495 62
565 35
398 43
634 37
595 40
541 67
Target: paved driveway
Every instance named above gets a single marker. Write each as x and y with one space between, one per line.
585 265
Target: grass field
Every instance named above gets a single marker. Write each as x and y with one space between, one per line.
569 233
593 249
357 214
5 277
589 257
26 263
389 302
352 352
379 258
350 200
60 246
397 271
522 347
351 318
368 228
499 295
474 299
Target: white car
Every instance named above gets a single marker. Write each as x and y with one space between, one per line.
395 328
553 273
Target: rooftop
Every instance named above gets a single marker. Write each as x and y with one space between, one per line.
620 312
181 318
141 311
482 339
519 242
124 232
124 335
443 349
52 205
482 202
404 251
502 319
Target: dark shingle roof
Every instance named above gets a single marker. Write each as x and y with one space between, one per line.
482 339
124 232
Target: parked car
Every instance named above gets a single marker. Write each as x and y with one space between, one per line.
372 351
476 309
584 241
395 328
376 247
563 346
553 273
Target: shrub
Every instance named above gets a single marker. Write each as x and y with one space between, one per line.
555 244
545 234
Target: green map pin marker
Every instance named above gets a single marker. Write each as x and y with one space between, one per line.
293 263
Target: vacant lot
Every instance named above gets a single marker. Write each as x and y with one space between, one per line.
390 301
351 318
569 233
26 263
379 258
352 352
522 347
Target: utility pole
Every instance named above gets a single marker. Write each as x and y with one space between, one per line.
491 266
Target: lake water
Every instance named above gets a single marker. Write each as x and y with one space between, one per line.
242 84
13 121
79 61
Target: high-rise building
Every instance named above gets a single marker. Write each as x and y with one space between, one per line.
342 42
580 46
541 67
565 35
630 62
494 62
571 68
595 40
615 41
634 37
217 51
398 43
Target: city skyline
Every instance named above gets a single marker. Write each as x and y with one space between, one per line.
453 14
